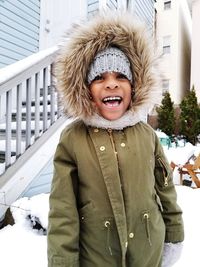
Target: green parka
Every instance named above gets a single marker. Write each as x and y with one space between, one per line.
113 202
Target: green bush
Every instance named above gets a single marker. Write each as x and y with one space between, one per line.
190 117
166 115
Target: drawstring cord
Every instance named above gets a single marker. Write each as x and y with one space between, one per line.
107 225
146 219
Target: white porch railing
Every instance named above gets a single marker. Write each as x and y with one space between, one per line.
26 89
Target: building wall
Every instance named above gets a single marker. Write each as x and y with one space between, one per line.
195 61
174 23
19 29
144 10
56 17
184 48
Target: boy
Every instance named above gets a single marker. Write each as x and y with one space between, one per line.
113 202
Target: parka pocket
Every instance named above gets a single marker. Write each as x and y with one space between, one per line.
86 211
160 163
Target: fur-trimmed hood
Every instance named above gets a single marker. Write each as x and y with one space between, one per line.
77 52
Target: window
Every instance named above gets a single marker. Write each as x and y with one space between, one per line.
165 86
167 5
166 45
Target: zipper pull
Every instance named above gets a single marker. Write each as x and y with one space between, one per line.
146 219
164 169
107 225
166 181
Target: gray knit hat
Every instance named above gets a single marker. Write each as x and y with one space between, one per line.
110 59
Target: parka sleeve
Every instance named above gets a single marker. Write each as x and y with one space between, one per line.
63 228
171 212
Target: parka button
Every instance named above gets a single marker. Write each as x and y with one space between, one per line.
96 130
123 144
102 148
131 235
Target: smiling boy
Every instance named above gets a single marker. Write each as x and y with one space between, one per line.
113 201
110 90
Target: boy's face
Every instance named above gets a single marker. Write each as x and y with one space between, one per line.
111 94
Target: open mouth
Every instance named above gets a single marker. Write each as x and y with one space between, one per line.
112 101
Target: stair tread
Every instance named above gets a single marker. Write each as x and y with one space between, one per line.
23 125
13 145
14 111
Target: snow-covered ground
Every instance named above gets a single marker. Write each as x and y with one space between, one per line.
22 246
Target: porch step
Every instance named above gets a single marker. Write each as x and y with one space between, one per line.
40 101
13 149
2 156
23 113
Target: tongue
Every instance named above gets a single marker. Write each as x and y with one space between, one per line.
112 103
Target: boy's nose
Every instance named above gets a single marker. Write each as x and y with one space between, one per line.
112 83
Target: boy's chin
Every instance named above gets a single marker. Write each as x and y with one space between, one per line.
111 117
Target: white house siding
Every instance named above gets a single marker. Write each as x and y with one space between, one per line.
19 29
56 18
175 23
112 4
92 7
144 10
195 63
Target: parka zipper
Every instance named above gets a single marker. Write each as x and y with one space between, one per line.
107 225
147 228
164 169
112 142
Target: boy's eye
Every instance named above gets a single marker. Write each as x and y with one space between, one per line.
98 78
121 76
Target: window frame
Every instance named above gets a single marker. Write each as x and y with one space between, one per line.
166 45
167 4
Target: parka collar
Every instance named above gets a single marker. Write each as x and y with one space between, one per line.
130 118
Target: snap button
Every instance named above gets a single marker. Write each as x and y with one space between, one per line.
102 148
96 130
131 235
123 144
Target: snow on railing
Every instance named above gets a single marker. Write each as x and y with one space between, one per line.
27 101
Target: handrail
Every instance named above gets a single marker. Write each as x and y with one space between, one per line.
20 70
27 90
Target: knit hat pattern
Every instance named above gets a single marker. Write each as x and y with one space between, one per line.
108 60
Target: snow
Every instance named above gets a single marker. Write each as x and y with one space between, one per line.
160 134
21 245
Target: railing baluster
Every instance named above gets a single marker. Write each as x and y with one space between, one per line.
37 104
13 90
45 89
19 121
8 128
28 112
53 102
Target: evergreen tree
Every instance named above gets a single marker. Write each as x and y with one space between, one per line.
166 115
190 117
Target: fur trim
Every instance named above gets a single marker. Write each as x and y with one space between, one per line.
77 53
128 119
